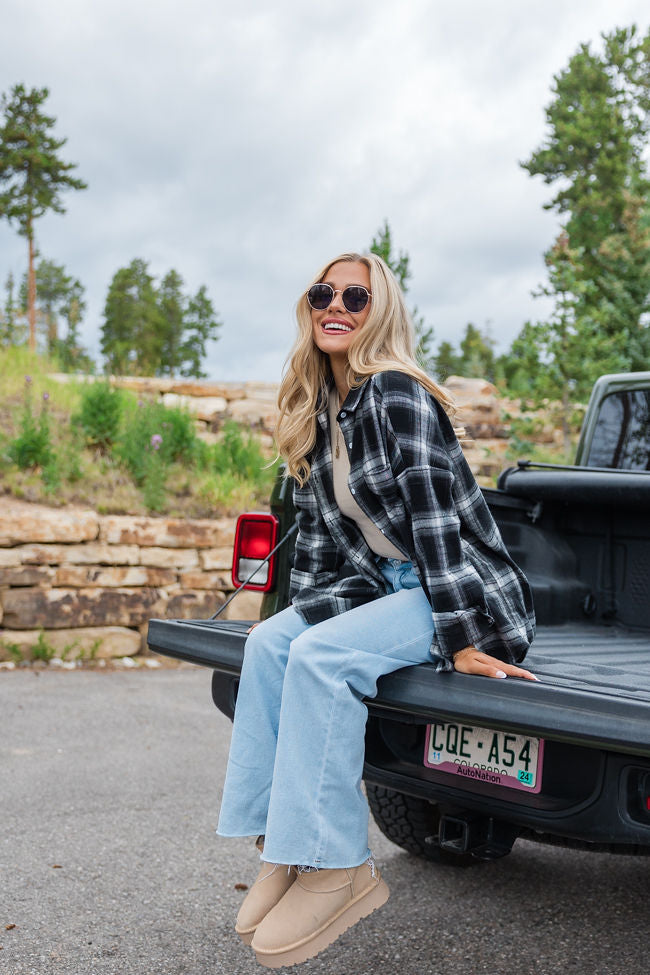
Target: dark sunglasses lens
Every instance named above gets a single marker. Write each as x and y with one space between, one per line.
320 296
355 298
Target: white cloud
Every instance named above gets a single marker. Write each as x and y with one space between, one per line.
245 145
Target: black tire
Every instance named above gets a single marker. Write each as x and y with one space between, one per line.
413 824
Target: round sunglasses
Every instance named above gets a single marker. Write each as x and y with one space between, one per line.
355 297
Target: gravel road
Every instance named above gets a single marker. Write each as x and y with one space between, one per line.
109 789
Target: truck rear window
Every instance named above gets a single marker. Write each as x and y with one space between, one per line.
622 434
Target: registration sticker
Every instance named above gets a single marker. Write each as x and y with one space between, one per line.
485 755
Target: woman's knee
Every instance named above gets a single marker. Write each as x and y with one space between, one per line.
261 642
270 639
312 651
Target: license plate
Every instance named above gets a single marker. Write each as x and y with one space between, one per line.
485 755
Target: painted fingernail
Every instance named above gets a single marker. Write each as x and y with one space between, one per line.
500 673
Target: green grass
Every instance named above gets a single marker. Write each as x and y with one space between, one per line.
123 454
88 444
18 362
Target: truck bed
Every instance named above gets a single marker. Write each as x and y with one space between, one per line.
594 684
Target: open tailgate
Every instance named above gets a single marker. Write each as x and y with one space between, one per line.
594 684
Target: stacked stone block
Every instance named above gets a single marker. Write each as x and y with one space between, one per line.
92 582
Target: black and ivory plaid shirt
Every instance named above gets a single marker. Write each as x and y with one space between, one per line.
409 475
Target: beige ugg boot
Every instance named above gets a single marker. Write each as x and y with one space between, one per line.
271 884
316 909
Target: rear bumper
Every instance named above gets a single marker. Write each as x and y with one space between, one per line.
588 795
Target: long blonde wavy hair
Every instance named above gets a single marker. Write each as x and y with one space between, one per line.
385 342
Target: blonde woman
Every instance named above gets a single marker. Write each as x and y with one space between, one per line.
398 561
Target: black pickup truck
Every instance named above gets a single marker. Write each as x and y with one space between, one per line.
458 766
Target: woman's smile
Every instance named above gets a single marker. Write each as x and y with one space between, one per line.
333 327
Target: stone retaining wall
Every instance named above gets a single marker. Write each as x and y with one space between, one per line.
86 584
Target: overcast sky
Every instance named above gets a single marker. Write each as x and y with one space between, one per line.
245 144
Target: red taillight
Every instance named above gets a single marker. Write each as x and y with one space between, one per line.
255 536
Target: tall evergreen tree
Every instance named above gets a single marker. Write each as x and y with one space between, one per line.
73 356
156 331
477 358
59 296
598 124
446 362
11 319
132 333
200 326
52 287
171 302
32 175
560 358
382 245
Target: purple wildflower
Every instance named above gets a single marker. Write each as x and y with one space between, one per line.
156 441
140 403
28 380
46 396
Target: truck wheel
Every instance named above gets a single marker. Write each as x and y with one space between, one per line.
412 823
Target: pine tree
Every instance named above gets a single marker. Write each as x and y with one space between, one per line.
11 320
59 296
200 326
133 329
446 362
73 356
171 303
564 355
477 358
598 124
52 287
31 173
382 245
156 331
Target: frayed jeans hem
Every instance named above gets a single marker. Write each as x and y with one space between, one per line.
238 835
321 864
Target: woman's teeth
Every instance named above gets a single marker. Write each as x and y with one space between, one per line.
336 327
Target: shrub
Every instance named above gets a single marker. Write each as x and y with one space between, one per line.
100 414
32 447
69 456
154 474
236 469
144 421
238 453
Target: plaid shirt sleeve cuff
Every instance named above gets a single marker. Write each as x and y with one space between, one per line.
456 630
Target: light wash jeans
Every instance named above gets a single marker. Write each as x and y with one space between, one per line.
297 751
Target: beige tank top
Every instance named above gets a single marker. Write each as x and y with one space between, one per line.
377 542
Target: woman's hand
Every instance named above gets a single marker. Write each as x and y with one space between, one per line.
469 660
